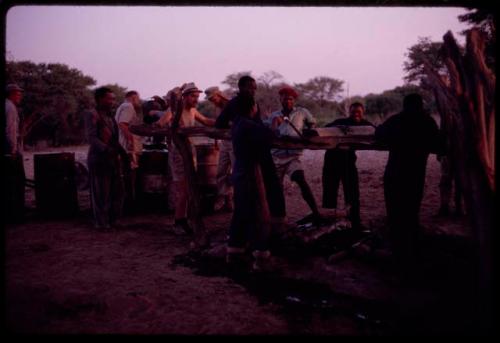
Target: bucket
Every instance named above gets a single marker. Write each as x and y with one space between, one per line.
153 180
55 184
207 159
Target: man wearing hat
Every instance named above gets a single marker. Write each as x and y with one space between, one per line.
13 157
226 156
190 94
289 121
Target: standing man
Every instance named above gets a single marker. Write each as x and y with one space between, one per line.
126 115
274 190
104 160
190 95
285 122
249 228
13 157
340 166
226 156
411 136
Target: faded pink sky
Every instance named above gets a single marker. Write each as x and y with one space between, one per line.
153 49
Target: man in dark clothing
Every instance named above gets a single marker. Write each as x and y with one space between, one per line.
410 136
340 166
251 141
105 159
274 191
247 87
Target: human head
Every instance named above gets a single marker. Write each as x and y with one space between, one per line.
161 103
413 103
356 111
190 94
14 93
215 96
247 85
104 98
287 97
133 98
177 91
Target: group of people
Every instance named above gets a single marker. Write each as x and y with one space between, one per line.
113 159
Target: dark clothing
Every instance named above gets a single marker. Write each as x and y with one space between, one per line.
410 137
340 166
229 114
105 168
274 189
251 146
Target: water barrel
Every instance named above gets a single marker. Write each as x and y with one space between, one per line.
207 158
153 179
55 184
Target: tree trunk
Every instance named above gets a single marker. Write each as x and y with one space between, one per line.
467 106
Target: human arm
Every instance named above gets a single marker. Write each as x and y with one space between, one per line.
309 120
204 120
226 115
166 119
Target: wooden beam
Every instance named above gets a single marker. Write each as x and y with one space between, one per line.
358 138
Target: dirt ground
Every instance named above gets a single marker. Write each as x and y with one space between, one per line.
63 276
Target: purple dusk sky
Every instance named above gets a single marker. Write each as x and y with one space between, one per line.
153 49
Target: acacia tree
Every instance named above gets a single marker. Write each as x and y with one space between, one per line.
54 97
321 89
483 20
424 50
232 81
268 85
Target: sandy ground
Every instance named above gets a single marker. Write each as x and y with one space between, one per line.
63 276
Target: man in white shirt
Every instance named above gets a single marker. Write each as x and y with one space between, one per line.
126 115
226 156
287 122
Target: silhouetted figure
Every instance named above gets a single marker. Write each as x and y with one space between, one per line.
274 191
13 165
410 136
251 143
